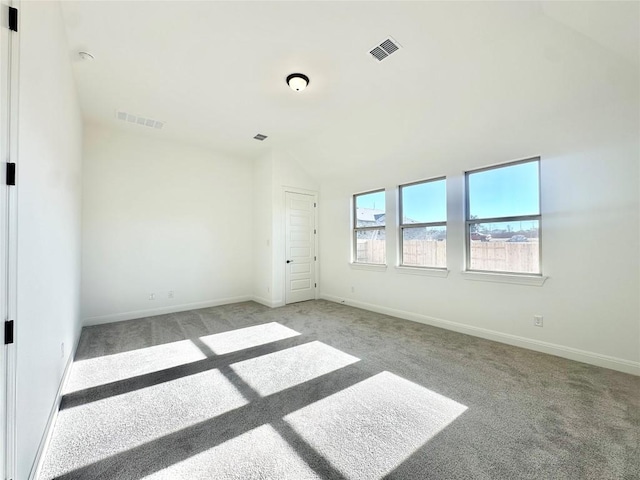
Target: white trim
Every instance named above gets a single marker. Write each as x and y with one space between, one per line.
265 302
53 415
373 267
428 272
531 280
9 454
606 361
118 317
302 191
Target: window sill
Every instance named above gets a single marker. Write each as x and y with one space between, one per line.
531 280
426 271
372 267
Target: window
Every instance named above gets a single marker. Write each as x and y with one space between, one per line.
503 218
423 225
369 244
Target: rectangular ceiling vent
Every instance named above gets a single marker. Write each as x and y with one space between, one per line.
138 120
384 49
260 137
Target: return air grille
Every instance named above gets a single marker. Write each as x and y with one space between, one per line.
384 49
138 120
379 53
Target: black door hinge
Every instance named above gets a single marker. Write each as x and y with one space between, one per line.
13 19
314 205
8 332
315 285
315 258
11 173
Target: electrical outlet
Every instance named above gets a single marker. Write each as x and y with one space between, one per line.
152 296
62 350
268 289
170 294
537 320
353 289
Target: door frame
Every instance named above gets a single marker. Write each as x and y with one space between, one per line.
283 236
9 83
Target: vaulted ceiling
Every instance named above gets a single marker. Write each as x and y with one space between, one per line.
214 72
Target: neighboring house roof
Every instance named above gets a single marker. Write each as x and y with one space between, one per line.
376 216
371 215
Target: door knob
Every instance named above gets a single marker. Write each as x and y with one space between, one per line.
289 261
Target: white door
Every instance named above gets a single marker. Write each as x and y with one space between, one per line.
300 242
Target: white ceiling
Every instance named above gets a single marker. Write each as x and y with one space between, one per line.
215 71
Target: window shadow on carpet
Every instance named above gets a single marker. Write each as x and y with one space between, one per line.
321 412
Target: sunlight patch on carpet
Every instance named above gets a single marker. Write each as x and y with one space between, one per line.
106 369
258 454
367 430
97 371
277 371
91 432
244 338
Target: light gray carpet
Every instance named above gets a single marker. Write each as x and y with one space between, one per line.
318 390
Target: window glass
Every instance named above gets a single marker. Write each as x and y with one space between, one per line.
371 246
503 220
505 247
424 247
369 237
508 191
424 202
423 213
370 209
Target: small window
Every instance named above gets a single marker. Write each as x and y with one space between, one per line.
369 244
503 218
423 224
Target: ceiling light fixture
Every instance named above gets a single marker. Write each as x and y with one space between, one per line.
297 81
86 56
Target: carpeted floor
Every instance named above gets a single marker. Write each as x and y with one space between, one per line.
319 390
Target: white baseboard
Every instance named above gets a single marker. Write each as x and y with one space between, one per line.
614 363
118 317
265 302
53 415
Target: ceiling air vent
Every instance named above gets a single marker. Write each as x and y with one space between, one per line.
260 137
386 48
142 121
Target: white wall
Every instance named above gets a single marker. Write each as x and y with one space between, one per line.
49 195
590 225
160 216
263 229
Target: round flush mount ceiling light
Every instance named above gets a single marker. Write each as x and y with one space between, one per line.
297 81
86 56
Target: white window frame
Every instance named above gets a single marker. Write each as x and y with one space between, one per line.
403 225
355 229
469 221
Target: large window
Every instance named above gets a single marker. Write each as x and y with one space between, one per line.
503 218
423 224
369 245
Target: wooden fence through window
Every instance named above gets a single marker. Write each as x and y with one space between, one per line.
503 256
